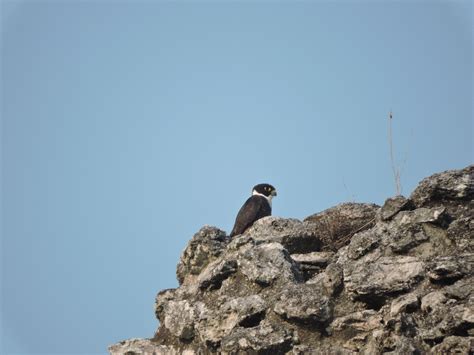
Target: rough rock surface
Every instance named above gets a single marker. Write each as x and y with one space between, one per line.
396 279
336 225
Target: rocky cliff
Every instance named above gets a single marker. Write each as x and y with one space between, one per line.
395 279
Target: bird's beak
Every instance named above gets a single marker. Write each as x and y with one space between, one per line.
274 193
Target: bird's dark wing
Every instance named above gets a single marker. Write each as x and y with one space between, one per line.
254 208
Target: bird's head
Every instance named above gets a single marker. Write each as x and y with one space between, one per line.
265 190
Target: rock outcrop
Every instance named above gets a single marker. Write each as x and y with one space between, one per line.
396 279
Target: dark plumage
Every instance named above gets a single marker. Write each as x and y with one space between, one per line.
256 207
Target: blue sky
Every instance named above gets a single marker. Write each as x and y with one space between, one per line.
126 126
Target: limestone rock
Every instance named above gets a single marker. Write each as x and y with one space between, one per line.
267 263
312 263
362 321
217 322
393 205
335 226
317 309
448 268
461 231
179 319
432 301
318 259
331 279
406 303
375 281
454 345
363 243
448 185
211 278
206 245
162 300
150 347
422 215
354 278
263 339
294 235
460 290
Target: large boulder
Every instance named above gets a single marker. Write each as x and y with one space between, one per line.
355 278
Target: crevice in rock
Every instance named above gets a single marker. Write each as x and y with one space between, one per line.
388 348
309 272
434 341
220 274
305 244
273 350
253 320
186 341
462 330
446 220
213 346
373 302
447 281
321 328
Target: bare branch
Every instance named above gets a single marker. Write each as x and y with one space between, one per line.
395 168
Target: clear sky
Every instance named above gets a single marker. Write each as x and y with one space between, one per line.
126 126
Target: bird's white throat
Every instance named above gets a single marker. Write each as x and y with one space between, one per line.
269 198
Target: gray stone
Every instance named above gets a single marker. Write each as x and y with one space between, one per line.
406 237
319 259
317 309
323 349
149 347
398 345
454 345
215 273
264 264
363 243
179 319
422 215
447 320
162 300
205 246
432 301
263 339
422 228
461 231
383 277
312 263
393 205
249 310
217 322
294 235
460 290
333 279
448 268
362 321
406 303
448 185
330 279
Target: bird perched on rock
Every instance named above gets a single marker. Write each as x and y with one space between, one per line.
258 205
